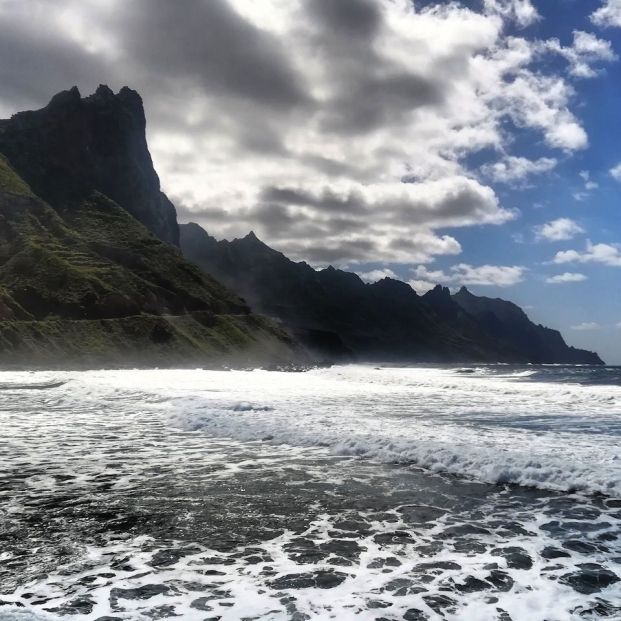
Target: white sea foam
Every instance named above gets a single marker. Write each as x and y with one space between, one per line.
127 440
495 428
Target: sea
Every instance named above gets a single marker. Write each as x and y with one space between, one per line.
353 493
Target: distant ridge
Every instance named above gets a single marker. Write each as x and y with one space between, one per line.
508 323
383 321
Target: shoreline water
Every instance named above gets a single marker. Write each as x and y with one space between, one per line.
149 494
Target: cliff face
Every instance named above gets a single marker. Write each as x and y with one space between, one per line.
508 323
386 320
84 280
76 145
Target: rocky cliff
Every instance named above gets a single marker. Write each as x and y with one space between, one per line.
508 323
89 270
76 145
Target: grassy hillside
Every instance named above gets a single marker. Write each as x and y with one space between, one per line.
90 285
197 339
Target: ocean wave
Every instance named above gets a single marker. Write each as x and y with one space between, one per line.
486 463
495 430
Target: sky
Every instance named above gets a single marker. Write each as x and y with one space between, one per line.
467 143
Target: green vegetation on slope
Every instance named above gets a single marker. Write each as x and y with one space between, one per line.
197 339
91 286
10 181
97 262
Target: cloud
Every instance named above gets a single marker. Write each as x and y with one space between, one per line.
212 46
615 172
609 15
585 50
589 184
605 254
561 229
375 275
421 286
499 275
339 131
586 326
26 42
464 274
515 170
567 277
521 11
375 217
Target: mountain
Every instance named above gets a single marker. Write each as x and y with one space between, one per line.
383 321
89 270
509 324
76 145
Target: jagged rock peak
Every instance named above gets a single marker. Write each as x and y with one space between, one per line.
63 99
104 91
438 294
393 284
250 240
76 146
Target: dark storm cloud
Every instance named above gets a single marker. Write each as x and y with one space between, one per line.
374 101
35 64
461 199
210 214
324 254
328 200
276 218
208 42
347 17
369 90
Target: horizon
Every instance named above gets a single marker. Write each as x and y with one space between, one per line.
481 158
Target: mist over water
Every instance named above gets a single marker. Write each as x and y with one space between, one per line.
358 492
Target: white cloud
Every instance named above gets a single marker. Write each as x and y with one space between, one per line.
561 229
606 254
589 184
375 275
615 172
540 102
464 274
499 275
513 169
421 286
521 11
586 50
567 277
586 326
609 15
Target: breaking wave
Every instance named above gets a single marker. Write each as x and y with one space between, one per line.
495 430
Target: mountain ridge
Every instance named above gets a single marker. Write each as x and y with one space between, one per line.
384 320
92 270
